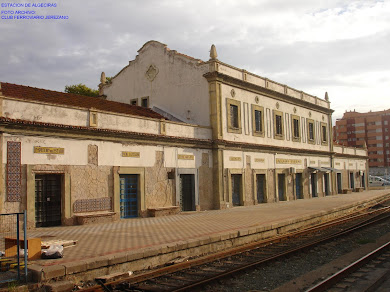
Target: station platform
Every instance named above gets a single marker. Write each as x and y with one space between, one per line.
142 243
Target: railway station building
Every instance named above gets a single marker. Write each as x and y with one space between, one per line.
168 134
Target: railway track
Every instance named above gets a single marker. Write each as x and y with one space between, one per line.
367 273
198 272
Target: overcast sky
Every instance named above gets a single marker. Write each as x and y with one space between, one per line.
338 46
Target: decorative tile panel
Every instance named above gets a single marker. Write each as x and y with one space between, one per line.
14 171
92 205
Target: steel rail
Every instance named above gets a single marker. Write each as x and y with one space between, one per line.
335 278
207 259
275 256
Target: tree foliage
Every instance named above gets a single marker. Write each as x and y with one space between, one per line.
81 89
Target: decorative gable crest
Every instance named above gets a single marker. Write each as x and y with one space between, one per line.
151 73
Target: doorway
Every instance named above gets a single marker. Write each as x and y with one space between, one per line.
236 189
260 182
298 186
129 190
48 200
351 180
339 185
313 184
187 192
281 187
326 184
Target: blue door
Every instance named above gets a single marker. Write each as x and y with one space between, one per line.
129 195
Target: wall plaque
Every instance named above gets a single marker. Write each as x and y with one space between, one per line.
338 163
288 161
185 157
130 154
259 160
48 150
231 158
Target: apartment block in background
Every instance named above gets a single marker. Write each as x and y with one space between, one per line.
372 128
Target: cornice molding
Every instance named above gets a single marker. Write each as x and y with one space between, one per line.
220 77
54 130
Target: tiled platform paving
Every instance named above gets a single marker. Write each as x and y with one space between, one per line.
132 244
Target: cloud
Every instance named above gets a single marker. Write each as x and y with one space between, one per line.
337 46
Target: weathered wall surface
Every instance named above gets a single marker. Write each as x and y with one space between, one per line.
248 196
91 182
171 81
87 171
206 196
159 190
73 116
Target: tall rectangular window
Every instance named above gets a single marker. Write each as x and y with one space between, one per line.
278 125
279 129
296 129
324 134
233 116
257 120
310 131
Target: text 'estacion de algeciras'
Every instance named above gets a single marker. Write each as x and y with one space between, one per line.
20 14
35 5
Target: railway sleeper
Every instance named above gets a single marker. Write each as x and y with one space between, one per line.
150 288
213 270
199 273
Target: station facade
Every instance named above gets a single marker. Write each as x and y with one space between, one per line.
168 134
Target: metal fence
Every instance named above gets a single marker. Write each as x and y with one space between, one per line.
13 247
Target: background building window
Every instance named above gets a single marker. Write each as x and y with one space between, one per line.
134 101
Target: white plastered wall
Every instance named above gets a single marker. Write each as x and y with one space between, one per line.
109 153
179 87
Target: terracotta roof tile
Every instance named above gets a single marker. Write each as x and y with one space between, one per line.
69 99
46 126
